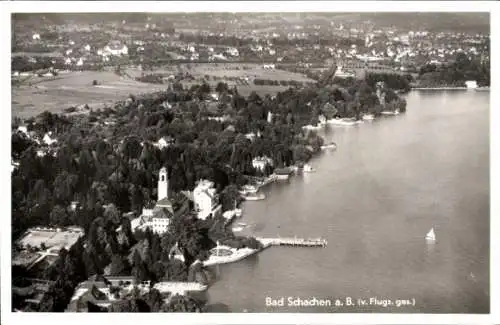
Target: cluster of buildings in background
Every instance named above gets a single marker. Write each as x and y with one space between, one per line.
133 43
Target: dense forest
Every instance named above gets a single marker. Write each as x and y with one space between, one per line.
455 74
106 161
392 80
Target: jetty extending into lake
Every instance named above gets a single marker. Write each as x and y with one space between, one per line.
223 254
179 287
293 241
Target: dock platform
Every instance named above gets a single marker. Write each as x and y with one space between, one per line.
293 241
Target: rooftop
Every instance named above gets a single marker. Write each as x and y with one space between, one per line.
162 213
165 202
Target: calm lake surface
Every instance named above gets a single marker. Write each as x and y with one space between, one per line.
374 199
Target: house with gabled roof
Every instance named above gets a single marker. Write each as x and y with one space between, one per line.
47 138
115 48
164 142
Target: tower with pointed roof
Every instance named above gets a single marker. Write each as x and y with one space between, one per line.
163 184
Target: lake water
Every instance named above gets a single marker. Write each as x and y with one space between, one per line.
374 199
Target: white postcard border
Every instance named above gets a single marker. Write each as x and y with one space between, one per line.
6 8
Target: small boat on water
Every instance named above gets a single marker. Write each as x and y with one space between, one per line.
368 117
396 112
344 121
237 229
313 127
266 180
331 145
250 189
255 197
482 89
431 235
308 169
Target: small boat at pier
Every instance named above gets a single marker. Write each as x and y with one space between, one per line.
267 180
331 145
396 112
308 169
344 121
250 189
255 197
368 117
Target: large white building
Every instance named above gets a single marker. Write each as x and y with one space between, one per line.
471 84
115 48
158 218
260 163
232 51
162 143
23 129
48 138
206 200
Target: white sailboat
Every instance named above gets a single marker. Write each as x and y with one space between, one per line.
431 235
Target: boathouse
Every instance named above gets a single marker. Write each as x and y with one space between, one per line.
283 173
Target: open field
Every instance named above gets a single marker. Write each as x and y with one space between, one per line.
54 94
39 54
251 71
230 73
73 89
227 70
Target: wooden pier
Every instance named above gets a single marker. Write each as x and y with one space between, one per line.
293 241
179 287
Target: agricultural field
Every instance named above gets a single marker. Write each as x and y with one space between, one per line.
238 70
234 74
55 94
37 54
223 71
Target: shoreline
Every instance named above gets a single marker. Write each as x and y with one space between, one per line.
452 88
246 252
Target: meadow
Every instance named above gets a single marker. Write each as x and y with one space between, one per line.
72 89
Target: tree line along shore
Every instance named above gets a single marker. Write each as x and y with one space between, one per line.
106 161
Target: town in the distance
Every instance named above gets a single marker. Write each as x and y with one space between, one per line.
136 138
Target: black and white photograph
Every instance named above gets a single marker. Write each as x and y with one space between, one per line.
324 162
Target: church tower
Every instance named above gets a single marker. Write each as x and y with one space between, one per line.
163 184
269 117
